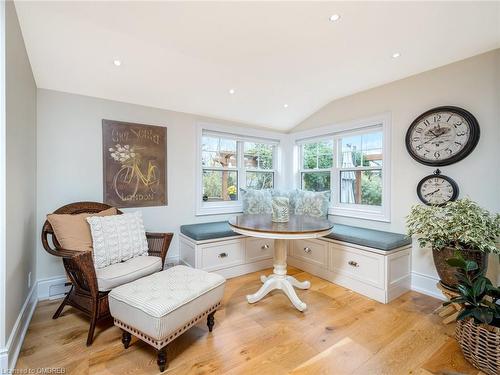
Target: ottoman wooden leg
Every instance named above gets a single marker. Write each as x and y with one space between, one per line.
126 337
162 359
210 321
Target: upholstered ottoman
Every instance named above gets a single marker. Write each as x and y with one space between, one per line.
160 307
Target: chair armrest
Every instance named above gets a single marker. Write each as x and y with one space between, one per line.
81 271
57 251
158 244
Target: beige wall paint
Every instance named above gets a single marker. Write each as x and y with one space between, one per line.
473 84
20 170
70 161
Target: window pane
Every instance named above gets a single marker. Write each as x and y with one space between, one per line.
317 155
325 161
218 152
258 155
351 152
260 180
361 187
316 181
362 150
220 185
372 149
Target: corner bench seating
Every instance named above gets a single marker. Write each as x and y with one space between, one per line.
371 262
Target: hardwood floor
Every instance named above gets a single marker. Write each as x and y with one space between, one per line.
341 333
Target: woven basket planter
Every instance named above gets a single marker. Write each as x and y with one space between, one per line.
480 344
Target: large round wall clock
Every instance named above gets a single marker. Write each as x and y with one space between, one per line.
436 189
442 136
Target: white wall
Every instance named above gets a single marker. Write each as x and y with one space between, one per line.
473 84
69 154
70 164
20 170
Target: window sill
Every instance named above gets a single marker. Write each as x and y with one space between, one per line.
219 209
360 214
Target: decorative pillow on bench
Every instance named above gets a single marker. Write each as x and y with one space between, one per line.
117 238
73 231
311 203
257 201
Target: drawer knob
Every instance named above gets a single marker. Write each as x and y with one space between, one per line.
307 250
265 247
222 255
353 263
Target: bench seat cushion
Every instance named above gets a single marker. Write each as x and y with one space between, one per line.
124 272
368 237
208 231
159 304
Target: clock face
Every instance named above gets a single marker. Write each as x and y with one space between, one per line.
442 136
437 190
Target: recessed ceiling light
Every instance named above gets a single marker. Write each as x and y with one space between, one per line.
231 91
334 17
395 55
285 105
117 62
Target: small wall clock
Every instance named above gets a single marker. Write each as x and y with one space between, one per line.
442 136
437 189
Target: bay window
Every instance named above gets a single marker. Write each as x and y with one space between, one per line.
351 165
230 162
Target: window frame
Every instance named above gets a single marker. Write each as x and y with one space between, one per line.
336 132
241 135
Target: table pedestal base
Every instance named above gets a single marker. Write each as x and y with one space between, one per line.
280 280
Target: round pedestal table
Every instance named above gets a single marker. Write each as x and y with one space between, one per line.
298 227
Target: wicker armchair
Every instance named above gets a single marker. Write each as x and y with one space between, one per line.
79 265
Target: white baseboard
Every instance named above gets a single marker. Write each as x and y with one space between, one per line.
9 354
426 284
52 287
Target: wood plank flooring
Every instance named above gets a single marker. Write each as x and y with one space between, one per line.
341 333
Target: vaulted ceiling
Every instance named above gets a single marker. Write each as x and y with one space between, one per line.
284 60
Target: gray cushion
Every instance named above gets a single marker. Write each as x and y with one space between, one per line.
368 237
208 231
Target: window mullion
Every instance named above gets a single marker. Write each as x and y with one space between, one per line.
240 161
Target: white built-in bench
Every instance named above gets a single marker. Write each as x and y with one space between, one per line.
374 263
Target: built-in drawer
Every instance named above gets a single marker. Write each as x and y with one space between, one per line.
258 249
311 251
222 254
357 264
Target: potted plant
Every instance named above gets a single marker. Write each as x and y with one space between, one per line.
460 225
231 190
478 321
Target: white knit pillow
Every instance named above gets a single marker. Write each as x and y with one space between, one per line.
117 238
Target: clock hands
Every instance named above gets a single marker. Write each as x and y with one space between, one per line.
431 193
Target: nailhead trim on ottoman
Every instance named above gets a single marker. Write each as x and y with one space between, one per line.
161 344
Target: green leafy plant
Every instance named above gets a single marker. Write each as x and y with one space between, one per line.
461 224
477 295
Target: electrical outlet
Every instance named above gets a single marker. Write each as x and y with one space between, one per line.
29 280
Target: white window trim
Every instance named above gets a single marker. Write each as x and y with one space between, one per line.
242 134
335 131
